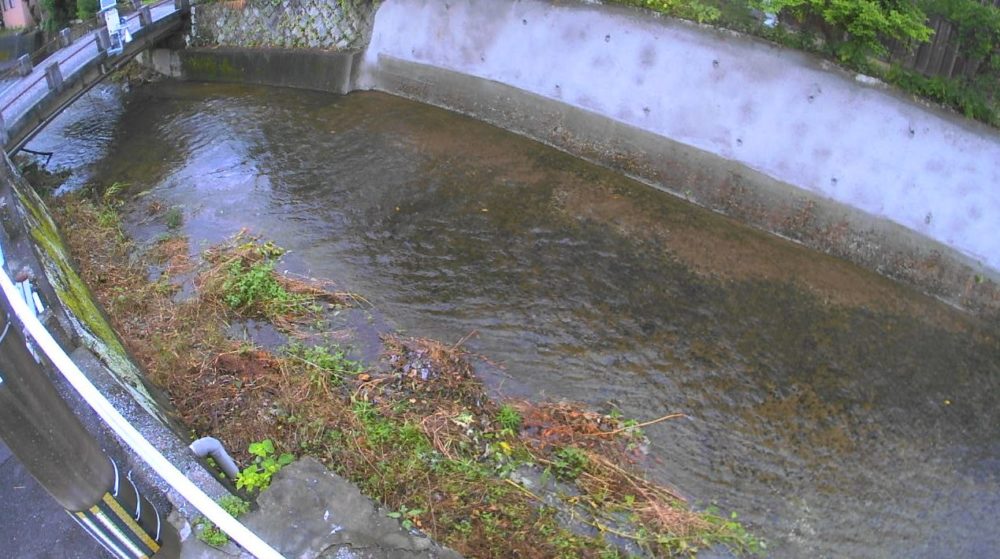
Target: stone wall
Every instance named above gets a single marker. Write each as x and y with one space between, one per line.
312 24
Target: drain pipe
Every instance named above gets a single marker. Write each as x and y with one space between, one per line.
212 447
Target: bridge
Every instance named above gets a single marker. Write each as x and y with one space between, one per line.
37 89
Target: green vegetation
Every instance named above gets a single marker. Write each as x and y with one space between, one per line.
209 532
325 366
509 419
54 15
173 218
856 29
685 9
257 476
86 9
254 285
253 288
568 463
406 516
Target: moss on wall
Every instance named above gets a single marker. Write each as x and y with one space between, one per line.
210 68
88 320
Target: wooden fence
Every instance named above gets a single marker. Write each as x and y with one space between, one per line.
942 55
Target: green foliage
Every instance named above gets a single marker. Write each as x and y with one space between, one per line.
379 431
978 24
325 365
255 288
108 217
85 9
406 516
967 100
112 193
246 286
257 476
509 419
686 9
235 506
856 29
174 218
569 462
54 15
210 533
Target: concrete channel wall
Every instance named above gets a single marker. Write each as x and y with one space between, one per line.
775 138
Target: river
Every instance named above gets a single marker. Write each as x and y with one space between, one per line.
840 414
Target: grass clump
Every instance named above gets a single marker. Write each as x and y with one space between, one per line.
242 277
509 419
255 287
209 533
325 366
173 218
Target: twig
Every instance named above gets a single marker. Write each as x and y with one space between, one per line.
636 426
463 340
524 489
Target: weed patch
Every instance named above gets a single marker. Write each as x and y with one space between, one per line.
242 277
209 532
257 476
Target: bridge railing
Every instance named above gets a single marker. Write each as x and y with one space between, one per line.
65 37
58 58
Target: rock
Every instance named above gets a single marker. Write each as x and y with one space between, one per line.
309 512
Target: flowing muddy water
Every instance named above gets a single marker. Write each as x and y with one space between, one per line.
839 413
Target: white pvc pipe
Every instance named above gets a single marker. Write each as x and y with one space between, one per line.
212 447
243 536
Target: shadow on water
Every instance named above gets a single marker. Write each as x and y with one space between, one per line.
841 414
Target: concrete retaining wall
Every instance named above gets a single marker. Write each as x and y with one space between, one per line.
836 161
304 69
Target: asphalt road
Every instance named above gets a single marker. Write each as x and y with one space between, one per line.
32 524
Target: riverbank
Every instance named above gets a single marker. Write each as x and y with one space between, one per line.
810 383
415 429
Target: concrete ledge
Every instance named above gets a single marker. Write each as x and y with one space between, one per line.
310 512
302 69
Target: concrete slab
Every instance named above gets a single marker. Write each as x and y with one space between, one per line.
310 512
